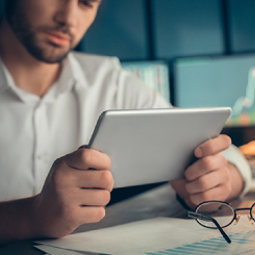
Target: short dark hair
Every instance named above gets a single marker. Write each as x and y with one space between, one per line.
8 6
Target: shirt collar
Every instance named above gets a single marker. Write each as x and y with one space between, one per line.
4 76
71 74
78 72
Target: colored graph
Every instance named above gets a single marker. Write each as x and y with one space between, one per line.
153 74
215 246
243 111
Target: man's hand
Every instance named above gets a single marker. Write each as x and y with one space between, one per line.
211 177
75 192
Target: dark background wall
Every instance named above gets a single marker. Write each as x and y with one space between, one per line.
141 30
165 29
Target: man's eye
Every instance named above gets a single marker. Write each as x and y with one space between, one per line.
89 3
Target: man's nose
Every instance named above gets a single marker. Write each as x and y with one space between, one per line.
67 13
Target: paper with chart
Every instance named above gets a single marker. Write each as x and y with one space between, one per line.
154 236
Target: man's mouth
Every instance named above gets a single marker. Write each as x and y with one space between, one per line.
58 38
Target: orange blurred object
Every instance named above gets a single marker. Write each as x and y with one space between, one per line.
248 149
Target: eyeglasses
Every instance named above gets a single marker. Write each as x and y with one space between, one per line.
218 215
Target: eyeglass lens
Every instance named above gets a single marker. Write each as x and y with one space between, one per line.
221 212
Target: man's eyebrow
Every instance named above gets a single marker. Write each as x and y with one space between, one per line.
95 1
91 1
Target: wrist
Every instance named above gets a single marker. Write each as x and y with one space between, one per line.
17 220
236 180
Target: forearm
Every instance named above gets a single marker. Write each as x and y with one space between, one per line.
16 220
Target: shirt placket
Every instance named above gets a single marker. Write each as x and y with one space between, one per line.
40 157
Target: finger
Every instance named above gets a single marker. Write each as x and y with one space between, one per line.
213 146
189 203
90 214
101 179
220 193
86 197
91 197
83 159
204 166
208 181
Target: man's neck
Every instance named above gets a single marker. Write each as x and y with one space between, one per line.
29 74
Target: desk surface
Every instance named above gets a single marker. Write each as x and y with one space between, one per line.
154 203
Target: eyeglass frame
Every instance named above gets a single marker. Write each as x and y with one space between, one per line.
196 216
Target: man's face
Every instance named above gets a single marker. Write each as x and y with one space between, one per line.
49 29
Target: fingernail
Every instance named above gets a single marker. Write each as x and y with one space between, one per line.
198 152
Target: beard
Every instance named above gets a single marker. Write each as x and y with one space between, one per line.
30 37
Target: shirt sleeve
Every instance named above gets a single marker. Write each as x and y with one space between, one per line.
234 156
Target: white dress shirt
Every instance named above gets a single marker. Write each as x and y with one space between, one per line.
35 131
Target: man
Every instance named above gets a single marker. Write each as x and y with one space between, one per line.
50 100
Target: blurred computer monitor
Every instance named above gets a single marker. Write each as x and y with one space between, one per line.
218 81
154 74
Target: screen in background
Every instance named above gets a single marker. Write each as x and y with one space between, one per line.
218 81
154 74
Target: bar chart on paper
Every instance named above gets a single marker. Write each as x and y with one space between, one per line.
158 236
241 244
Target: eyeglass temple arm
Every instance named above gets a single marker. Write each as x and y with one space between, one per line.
203 217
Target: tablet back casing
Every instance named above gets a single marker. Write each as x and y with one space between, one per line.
154 145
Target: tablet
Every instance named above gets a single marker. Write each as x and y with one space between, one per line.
154 145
